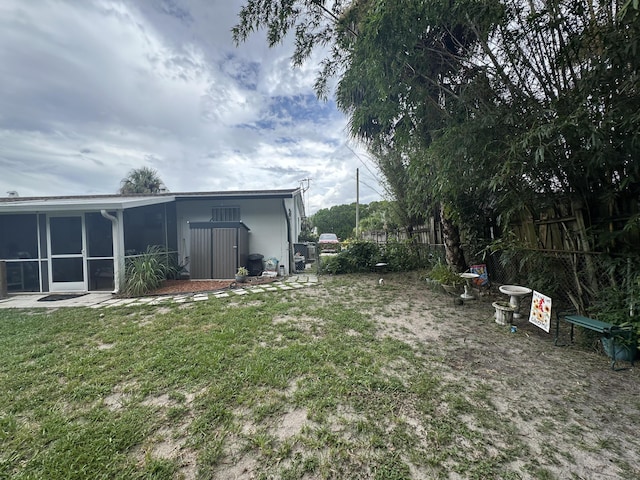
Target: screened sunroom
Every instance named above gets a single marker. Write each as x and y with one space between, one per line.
56 245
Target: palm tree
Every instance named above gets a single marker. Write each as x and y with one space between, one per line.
142 180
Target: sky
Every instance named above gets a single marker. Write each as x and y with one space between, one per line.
92 89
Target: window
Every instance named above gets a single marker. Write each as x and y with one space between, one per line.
225 214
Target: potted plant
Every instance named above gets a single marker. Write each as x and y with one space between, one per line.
450 281
621 345
241 275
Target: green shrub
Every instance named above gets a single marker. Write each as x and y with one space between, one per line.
616 305
358 257
146 272
401 256
361 256
444 275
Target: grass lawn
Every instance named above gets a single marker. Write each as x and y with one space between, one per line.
344 380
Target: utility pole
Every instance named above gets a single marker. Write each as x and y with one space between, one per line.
304 191
357 203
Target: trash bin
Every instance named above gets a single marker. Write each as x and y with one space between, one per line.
254 264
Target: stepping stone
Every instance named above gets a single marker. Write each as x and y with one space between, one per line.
285 287
199 298
221 295
112 301
256 290
119 303
159 300
240 292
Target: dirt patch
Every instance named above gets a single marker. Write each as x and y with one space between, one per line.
527 377
573 413
570 413
291 424
120 395
171 442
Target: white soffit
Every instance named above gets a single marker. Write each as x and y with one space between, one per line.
80 204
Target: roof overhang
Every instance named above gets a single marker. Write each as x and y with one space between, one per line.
83 204
120 202
238 195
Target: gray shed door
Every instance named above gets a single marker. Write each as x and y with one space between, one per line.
201 253
225 252
214 252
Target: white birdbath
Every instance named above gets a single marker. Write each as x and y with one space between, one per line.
515 293
467 286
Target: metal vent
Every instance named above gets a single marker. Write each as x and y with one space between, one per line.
225 214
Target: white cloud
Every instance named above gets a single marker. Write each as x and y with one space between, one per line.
94 89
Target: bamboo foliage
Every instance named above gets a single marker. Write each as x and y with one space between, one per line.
493 109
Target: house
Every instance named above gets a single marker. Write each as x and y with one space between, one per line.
81 243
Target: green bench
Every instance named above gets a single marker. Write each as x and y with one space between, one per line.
606 329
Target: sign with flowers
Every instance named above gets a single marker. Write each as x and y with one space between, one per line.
540 314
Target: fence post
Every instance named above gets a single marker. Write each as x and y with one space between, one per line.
3 280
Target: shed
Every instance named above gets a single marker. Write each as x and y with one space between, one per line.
218 249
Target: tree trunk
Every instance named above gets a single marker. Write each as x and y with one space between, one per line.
451 238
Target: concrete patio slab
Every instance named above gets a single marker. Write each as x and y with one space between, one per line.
32 301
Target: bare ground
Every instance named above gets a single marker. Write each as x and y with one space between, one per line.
577 417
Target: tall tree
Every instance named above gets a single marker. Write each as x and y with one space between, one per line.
377 50
141 180
503 104
339 219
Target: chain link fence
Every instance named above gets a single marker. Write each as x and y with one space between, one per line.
574 280
593 282
582 281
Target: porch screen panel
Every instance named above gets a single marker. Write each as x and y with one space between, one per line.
172 228
143 227
66 235
42 222
19 247
44 268
200 253
225 252
99 236
18 236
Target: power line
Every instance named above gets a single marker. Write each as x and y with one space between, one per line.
361 161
